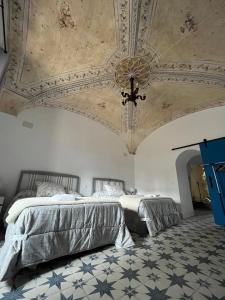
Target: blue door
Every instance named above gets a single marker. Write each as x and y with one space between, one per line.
213 157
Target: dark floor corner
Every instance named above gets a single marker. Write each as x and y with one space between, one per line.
202 212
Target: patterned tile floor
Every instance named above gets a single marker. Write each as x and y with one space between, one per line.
184 262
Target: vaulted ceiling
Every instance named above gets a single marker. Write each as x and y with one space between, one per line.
74 55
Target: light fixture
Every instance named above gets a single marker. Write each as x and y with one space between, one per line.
133 96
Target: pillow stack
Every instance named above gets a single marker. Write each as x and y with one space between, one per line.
109 191
49 189
113 190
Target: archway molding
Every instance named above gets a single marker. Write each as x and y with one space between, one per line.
183 181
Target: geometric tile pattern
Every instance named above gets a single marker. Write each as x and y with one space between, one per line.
183 262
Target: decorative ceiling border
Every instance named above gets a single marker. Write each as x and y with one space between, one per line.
197 72
190 78
133 23
24 25
65 106
202 66
134 19
64 90
19 18
147 14
122 20
17 12
129 117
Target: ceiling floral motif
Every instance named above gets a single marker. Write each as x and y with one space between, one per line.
77 55
136 67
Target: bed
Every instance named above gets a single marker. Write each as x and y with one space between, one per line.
142 214
53 229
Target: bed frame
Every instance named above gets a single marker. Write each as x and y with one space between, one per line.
98 183
28 178
132 219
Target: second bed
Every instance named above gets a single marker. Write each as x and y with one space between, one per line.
142 214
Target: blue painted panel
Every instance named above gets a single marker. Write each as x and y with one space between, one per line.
213 152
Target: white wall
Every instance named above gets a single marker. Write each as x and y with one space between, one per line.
61 141
155 163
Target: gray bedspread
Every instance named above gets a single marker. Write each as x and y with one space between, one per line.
46 232
158 213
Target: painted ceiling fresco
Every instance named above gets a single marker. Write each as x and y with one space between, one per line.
75 55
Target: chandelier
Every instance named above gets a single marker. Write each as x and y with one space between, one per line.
130 73
133 96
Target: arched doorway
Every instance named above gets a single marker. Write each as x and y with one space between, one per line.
183 181
198 185
188 164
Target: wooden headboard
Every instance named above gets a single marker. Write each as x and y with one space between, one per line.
28 178
98 183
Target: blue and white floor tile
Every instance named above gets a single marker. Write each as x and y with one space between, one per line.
184 262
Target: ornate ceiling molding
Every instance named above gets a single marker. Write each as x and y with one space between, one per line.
147 12
135 9
61 87
195 72
137 67
60 105
17 36
134 21
122 22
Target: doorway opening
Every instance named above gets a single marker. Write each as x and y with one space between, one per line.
184 163
198 185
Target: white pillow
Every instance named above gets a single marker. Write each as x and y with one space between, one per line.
64 197
48 189
113 190
104 196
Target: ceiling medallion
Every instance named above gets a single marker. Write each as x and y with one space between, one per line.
132 67
132 72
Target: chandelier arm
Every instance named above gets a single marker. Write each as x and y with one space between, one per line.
133 96
141 97
124 94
